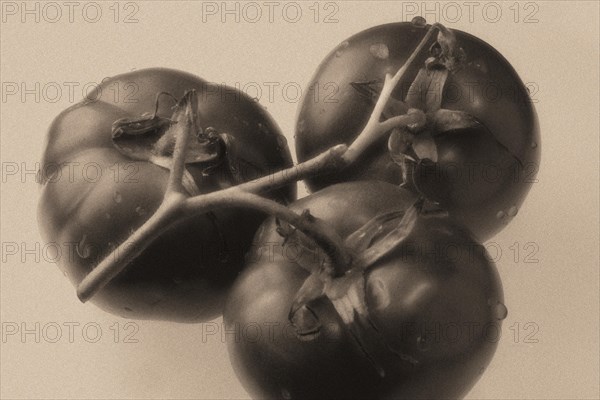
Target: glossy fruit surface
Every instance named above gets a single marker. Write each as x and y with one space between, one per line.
96 191
484 172
434 307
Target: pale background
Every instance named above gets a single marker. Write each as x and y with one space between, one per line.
558 296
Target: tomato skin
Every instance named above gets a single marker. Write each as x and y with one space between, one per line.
407 293
486 86
185 274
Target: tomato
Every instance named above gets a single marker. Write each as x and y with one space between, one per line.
482 173
95 194
433 308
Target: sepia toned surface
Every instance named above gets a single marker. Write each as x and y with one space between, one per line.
54 347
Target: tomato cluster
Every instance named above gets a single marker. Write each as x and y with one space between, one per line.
375 285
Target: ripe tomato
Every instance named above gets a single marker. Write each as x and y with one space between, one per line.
482 173
95 194
434 306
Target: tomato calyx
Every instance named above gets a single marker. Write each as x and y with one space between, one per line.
369 244
152 138
147 123
445 52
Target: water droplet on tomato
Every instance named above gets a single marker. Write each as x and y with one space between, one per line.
139 210
500 311
423 343
263 129
341 48
512 211
83 248
281 142
419 21
500 214
285 394
117 197
380 51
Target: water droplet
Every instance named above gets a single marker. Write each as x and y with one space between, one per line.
500 311
500 214
533 145
423 343
139 210
379 50
127 309
419 21
117 196
64 273
285 394
281 142
341 48
512 211
255 99
83 248
263 129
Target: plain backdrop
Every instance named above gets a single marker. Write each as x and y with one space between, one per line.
549 346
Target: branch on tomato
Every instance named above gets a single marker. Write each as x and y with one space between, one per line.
174 142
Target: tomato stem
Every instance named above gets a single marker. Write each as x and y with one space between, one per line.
178 205
374 129
127 251
186 123
324 236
